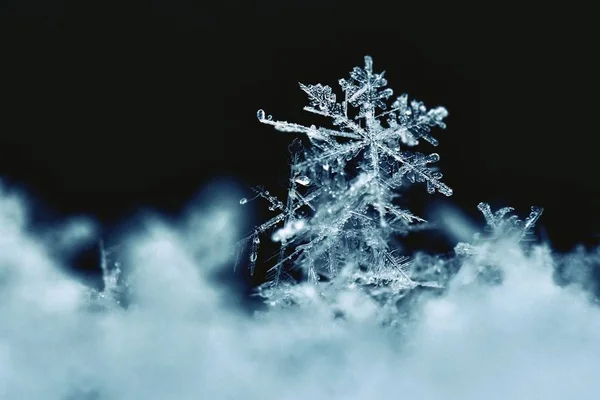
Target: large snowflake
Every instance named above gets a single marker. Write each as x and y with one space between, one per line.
342 204
405 124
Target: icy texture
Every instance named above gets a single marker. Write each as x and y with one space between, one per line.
342 211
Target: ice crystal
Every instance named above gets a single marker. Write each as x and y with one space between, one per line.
342 209
504 233
501 225
113 287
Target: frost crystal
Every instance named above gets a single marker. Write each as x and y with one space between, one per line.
501 226
342 209
113 287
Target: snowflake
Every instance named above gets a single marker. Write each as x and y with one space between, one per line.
501 226
406 124
342 203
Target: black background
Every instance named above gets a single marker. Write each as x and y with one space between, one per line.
112 106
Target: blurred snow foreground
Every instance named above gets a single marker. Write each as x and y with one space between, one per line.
489 322
162 328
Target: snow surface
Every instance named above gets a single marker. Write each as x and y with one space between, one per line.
180 338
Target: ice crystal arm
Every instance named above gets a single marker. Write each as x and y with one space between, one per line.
366 89
414 168
413 121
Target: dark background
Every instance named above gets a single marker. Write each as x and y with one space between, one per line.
108 107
